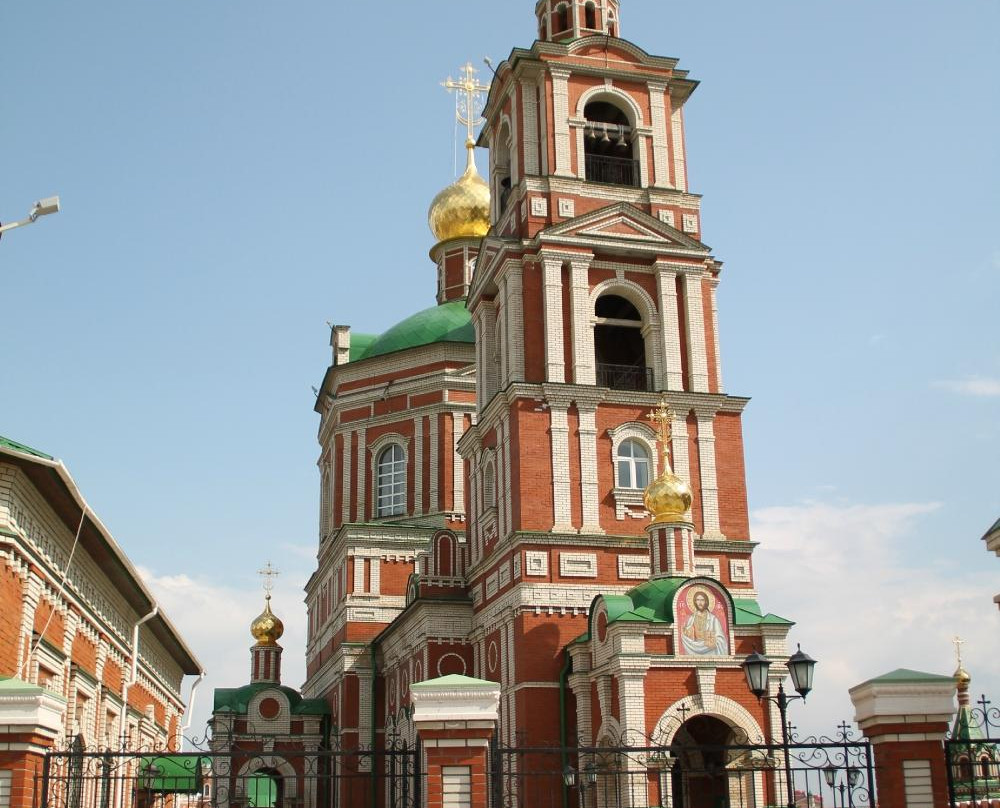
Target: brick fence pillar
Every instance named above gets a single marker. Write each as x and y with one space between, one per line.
905 714
456 718
31 720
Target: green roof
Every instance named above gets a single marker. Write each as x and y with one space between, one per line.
360 343
908 676
653 602
7 443
237 699
455 681
11 684
449 322
172 774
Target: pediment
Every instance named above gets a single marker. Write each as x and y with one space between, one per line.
624 224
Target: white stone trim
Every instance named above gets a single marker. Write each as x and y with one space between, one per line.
458 464
666 287
529 92
418 466
632 109
709 481
346 477
589 483
581 314
555 364
658 120
695 315
739 570
536 563
562 514
578 565
560 116
707 568
434 470
633 567
677 141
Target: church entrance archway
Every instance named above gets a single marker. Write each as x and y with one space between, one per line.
264 789
700 778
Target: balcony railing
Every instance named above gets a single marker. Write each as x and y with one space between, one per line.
625 377
612 170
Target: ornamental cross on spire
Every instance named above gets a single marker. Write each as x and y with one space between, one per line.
959 642
469 97
269 573
663 418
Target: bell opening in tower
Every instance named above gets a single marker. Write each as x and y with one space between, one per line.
619 346
607 146
590 17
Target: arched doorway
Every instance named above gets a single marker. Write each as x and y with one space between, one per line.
264 789
699 778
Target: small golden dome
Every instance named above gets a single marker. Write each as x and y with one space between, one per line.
668 498
462 210
266 627
962 678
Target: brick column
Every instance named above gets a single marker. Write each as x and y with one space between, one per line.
455 718
31 720
905 714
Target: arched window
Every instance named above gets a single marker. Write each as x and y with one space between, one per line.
964 768
500 155
390 487
607 146
544 33
633 465
612 27
984 767
562 22
619 347
489 486
590 15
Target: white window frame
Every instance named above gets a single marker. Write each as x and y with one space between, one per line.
629 501
633 461
396 500
375 449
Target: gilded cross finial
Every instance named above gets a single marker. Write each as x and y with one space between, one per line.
958 642
469 93
663 419
269 573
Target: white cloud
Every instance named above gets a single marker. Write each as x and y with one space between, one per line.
867 602
213 615
981 386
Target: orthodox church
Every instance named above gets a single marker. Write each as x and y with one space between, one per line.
539 481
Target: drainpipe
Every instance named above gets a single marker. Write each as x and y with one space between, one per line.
190 706
134 672
563 683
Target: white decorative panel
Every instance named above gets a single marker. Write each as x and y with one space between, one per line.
739 571
578 565
690 223
667 217
633 567
492 585
503 574
709 567
456 787
539 206
536 563
567 208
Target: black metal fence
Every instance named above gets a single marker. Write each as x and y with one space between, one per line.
972 754
612 170
624 377
824 773
273 777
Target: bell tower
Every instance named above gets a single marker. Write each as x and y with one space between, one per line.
593 300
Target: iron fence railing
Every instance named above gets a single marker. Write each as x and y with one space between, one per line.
612 170
625 377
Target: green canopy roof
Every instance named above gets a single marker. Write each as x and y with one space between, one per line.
237 699
653 602
449 322
7 443
172 774
908 676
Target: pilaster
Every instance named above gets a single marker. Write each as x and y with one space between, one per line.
560 116
666 286
584 371
589 489
559 436
555 363
695 316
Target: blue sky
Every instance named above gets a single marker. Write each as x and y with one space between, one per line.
235 175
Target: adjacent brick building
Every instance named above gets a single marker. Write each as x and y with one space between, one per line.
85 653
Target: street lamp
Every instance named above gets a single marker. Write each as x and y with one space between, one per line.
41 208
801 667
853 777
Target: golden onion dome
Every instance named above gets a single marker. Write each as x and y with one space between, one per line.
462 210
668 498
267 628
962 678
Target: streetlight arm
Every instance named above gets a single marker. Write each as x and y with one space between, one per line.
12 225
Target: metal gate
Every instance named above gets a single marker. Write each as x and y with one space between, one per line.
273 777
972 755
824 773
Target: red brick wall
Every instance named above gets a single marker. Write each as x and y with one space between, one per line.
534 464
731 474
56 627
11 607
713 360
534 324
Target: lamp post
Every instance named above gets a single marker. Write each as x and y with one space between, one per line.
853 777
41 208
801 667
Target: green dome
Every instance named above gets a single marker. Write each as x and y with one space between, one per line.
449 322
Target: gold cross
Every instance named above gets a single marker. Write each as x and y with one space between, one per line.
663 419
269 573
468 98
959 642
